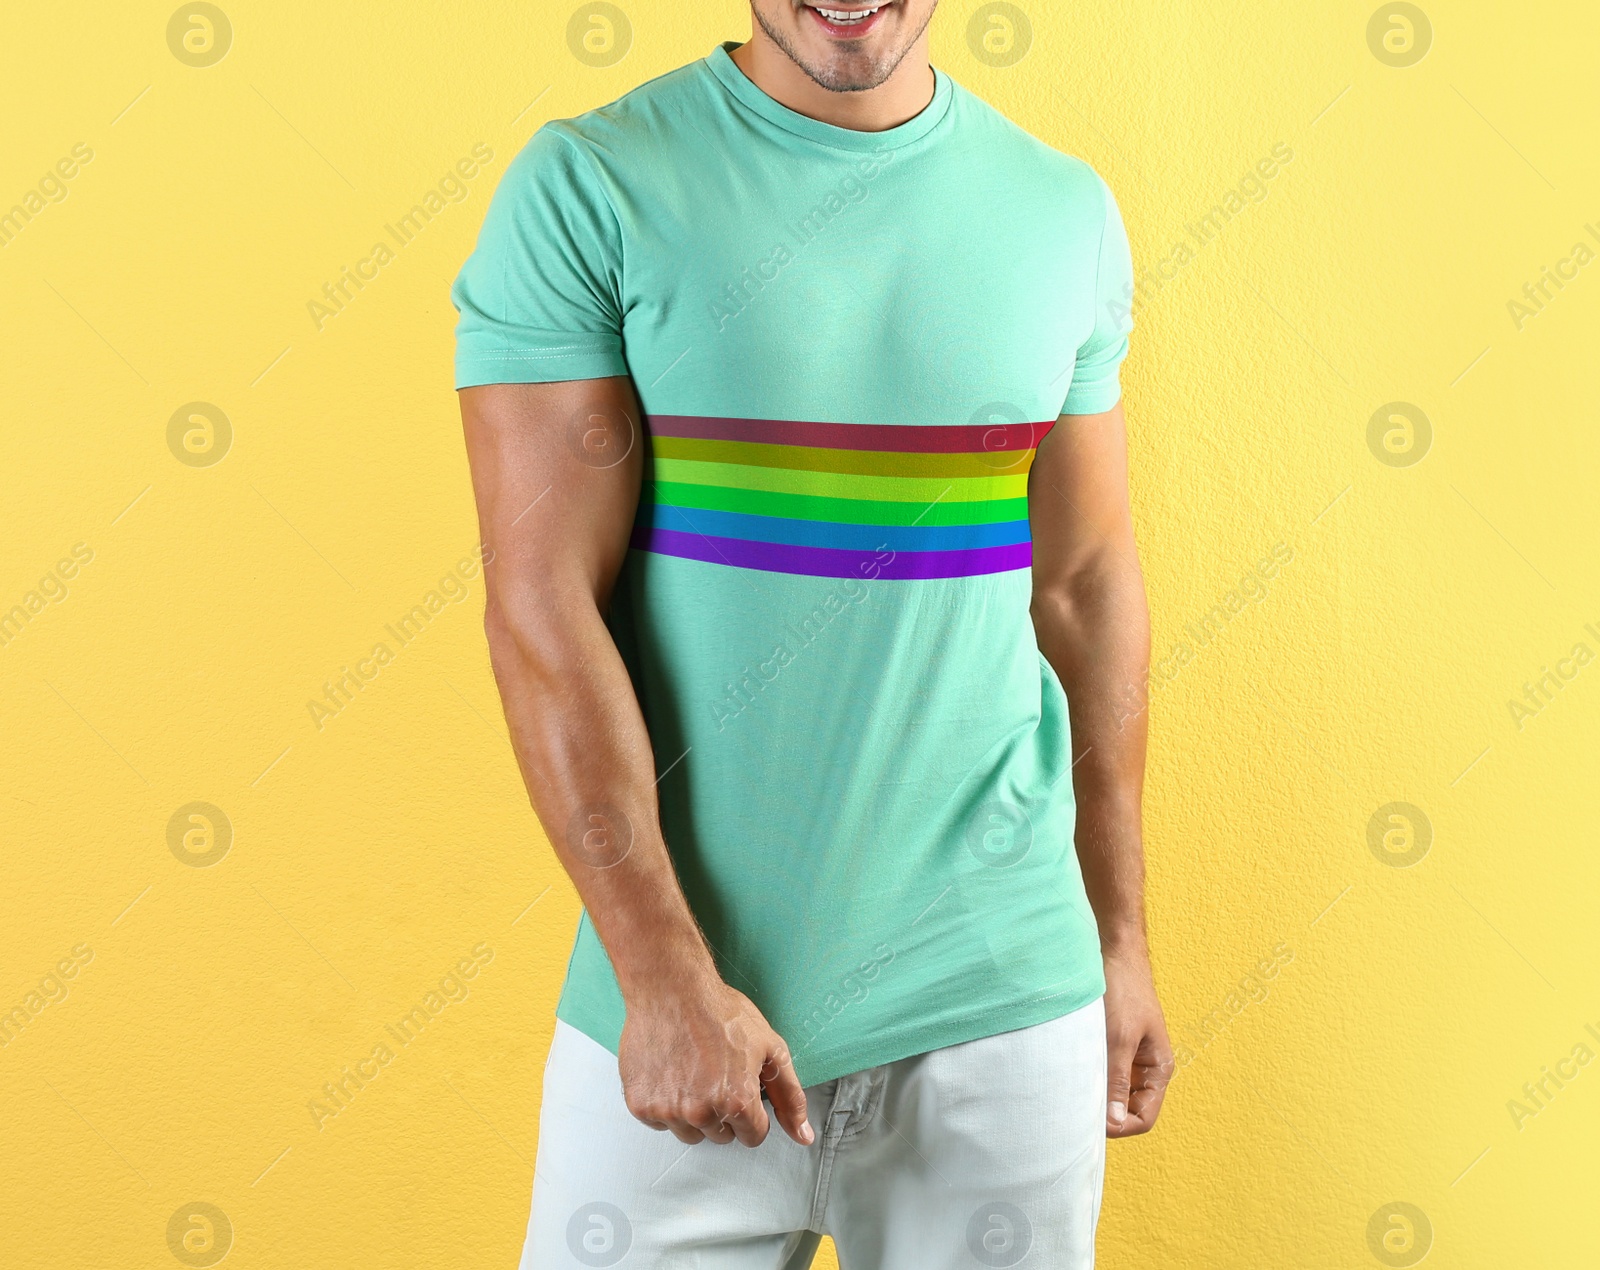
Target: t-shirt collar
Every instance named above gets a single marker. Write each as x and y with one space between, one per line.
919 125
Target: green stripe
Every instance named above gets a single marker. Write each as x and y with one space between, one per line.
844 511
821 459
908 489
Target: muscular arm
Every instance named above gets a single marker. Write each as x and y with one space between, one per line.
556 471
1093 625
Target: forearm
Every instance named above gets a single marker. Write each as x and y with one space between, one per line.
695 1054
1094 629
586 758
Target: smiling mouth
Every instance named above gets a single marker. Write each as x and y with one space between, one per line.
845 24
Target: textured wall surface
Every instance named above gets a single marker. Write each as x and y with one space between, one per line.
1372 790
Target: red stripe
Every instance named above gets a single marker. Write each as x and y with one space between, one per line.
905 438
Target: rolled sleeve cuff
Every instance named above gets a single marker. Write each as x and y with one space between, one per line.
1093 397
538 362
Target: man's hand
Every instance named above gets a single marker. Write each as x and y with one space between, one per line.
1138 1054
694 1061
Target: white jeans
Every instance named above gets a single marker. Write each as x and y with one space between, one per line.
989 1153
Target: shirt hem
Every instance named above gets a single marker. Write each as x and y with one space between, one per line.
533 366
1091 401
596 1028
819 1068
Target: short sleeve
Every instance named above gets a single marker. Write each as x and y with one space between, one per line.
1095 384
540 297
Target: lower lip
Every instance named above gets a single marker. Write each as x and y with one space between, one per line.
853 31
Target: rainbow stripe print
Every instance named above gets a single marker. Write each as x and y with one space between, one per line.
896 501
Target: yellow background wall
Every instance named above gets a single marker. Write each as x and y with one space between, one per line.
230 576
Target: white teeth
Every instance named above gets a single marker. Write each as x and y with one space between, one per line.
844 18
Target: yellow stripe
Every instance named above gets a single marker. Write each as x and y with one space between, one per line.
895 489
863 462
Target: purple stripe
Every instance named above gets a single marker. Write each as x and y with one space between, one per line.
834 562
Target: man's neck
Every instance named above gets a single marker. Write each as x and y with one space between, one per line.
904 95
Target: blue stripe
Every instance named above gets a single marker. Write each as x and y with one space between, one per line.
822 533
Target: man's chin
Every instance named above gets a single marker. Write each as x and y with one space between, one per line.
843 70
849 73
843 66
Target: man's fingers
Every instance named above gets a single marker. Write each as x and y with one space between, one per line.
720 1119
1145 1104
788 1098
717 1132
1143 1078
747 1118
703 1116
1152 1074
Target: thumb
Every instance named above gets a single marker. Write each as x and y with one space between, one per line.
1119 1071
783 1088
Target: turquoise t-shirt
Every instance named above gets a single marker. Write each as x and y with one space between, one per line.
847 346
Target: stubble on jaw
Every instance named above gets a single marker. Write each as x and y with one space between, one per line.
857 72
